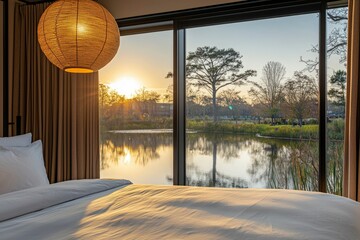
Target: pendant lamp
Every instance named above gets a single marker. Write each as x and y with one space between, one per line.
78 36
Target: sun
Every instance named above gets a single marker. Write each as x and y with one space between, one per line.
126 86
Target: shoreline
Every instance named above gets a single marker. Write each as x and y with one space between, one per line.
195 131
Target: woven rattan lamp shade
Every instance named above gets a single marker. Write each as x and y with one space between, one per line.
78 36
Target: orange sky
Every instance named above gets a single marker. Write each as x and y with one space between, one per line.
137 65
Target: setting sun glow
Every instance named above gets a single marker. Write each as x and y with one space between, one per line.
126 86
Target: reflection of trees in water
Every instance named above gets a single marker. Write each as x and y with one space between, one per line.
267 165
198 177
277 163
228 146
288 165
140 147
225 147
335 167
294 165
304 164
109 154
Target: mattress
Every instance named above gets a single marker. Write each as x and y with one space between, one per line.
117 209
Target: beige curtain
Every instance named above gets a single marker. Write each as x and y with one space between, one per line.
352 159
59 108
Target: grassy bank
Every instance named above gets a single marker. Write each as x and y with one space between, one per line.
136 125
280 131
335 129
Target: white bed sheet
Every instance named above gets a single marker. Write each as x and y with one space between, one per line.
126 211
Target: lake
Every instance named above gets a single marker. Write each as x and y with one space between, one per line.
220 160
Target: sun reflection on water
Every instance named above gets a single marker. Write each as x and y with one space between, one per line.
126 159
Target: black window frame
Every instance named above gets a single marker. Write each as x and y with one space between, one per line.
248 10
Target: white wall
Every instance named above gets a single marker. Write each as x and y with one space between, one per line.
131 8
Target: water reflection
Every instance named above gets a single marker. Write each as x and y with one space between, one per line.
265 163
215 150
335 167
140 157
220 160
139 147
286 165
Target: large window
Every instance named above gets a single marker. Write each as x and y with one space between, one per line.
136 110
259 98
252 106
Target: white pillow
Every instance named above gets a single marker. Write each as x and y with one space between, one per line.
22 167
16 141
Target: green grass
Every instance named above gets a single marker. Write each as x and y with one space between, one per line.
160 123
310 131
266 130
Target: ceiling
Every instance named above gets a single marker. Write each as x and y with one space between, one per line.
34 1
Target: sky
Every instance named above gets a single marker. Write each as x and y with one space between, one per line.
143 60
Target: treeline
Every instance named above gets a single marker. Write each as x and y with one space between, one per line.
217 74
145 109
213 77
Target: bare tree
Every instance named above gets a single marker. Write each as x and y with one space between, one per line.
269 92
212 69
146 101
301 96
231 100
104 95
169 95
229 96
108 97
336 41
144 95
110 104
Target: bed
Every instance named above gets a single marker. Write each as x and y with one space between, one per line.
118 209
32 208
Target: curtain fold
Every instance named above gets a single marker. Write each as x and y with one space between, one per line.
59 108
352 127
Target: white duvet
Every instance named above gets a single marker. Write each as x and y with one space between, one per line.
109 209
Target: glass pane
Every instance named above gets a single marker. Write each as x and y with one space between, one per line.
136 110
252 104
337 47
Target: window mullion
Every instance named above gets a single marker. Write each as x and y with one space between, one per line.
322 98
179 107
